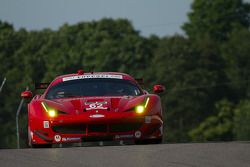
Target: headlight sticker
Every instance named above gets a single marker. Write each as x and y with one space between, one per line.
146 104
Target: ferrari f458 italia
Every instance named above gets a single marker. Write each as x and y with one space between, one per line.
100 106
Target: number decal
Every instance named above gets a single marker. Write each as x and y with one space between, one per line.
96 106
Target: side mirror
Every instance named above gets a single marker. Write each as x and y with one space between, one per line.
158 88
26 94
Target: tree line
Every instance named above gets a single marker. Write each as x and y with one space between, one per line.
206 72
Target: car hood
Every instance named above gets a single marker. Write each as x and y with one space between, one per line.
92 104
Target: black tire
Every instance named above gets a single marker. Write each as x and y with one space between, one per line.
29 138
148 141
41 145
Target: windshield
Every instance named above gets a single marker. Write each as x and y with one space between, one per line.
93 87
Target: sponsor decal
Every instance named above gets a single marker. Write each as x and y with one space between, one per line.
46 124
97 116
138 134
96 102
71 138
92 76
124 136
57 138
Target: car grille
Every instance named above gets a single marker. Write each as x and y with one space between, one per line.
96 138
70 129
96 128
125 127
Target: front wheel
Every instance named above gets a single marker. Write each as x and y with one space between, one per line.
41 145
149 141
29 137
36 145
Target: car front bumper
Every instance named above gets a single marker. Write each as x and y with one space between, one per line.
73 130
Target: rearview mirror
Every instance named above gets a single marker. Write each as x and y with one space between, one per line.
158 88
26 94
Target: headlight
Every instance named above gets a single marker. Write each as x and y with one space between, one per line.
141 108
51 112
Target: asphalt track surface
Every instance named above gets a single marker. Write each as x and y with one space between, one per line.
232 154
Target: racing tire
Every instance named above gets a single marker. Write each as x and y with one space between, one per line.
29 138
148 141
36 145
41 145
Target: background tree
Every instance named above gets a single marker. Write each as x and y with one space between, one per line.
241 121
236 54
211 25
217 127
216 19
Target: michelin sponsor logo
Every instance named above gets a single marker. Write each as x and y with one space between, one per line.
57 138
138 134
71 138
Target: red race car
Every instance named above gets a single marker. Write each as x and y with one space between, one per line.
100 106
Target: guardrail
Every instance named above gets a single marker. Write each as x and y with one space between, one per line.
4 80
17 120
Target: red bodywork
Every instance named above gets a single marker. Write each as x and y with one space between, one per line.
117 120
